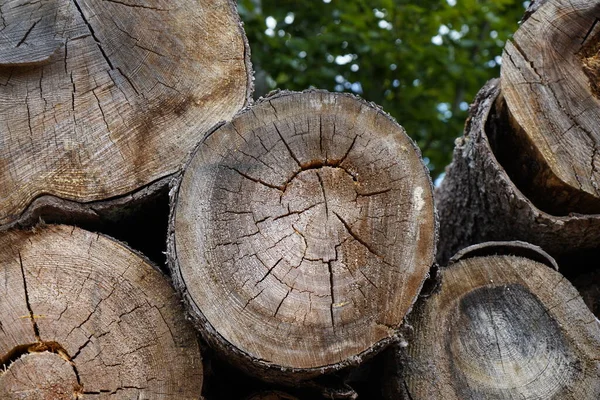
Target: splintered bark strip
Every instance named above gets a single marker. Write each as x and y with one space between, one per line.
101 99
503 327
301 233
82 316
479 201
550 79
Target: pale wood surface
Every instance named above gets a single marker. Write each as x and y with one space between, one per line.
40 376
550 78
101 98
91 318
303 231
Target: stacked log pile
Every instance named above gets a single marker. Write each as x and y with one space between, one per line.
526 168
300 231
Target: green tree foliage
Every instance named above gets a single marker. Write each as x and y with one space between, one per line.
423 61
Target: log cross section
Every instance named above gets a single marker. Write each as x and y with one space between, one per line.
82 316
503 327
550 79
303 230
100 99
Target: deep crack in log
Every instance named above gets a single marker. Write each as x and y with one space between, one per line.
104 321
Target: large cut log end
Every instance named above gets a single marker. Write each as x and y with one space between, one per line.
503 327
302 232
102 99
83 316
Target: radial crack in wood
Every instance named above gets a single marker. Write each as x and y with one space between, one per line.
100 99
503 327
301 233
550 77
84 316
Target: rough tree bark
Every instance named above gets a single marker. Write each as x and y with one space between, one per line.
502 327
301 234
85 317
102 100
479 201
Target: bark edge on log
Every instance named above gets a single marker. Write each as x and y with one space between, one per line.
262 368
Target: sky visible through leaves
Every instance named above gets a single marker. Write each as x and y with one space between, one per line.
422 61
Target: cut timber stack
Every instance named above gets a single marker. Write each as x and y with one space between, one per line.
502 327
301 234
101 101
528 166
83 316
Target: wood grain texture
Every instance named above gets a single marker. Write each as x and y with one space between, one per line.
100 98
40 376
550 79
503 327
302 232
84 317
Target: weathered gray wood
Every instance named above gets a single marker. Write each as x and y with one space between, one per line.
101 100
302 232
82 316
503 327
